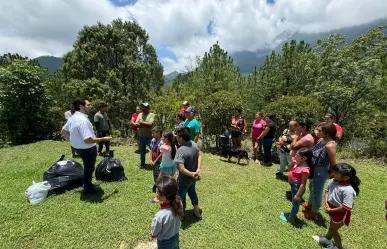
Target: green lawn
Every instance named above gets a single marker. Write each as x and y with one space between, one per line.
241 207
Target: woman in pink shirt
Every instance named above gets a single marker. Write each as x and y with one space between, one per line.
303 140
257 128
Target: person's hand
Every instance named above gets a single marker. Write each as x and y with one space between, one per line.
327 209
152 163
199 172
107 138
194 175
296 198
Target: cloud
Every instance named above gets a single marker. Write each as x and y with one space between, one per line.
40 27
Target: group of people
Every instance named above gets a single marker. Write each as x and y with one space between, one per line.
307 157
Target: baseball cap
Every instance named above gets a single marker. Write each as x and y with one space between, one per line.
185 103
145 105
191 109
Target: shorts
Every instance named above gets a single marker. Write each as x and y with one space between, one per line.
342 217
236 134
168 170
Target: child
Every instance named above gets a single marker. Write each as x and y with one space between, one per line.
166 223
188 159
155 155
168 150
297 178
225 139
339 197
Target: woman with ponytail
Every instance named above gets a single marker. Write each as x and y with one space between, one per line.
166 223
339 198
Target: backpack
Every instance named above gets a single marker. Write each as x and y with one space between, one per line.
110 170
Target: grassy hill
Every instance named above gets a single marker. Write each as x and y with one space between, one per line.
241 207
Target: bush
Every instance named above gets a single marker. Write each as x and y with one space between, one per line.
292 108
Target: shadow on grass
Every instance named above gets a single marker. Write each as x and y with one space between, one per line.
146 167
98 196
298 223
235 163
189 219
283 178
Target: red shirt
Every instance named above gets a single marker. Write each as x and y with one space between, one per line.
182 111
338 129
134 116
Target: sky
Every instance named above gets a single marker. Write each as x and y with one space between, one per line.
180 30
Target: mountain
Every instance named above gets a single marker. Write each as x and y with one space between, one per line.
246 61
50 62
169 77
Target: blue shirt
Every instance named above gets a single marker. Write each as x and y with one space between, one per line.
194 126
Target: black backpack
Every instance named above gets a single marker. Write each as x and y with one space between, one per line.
110 170
64 175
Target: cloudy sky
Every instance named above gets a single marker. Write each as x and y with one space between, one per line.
179 29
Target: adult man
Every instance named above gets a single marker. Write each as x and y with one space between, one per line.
67 116
184 109
102 124
189 163
330 119
133 121
192 123
79 131
145 124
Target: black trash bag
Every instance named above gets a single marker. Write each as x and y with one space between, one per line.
110 170
64 175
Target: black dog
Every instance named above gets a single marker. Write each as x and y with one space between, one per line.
239 153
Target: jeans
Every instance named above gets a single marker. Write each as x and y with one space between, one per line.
316 187
88 158
144 142
107 143
295 204
267 143
191 190
284 160
171 243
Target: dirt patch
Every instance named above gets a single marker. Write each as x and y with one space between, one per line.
28 244
142 245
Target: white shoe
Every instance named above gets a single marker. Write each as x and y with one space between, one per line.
322 240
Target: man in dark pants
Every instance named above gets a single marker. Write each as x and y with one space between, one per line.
79 131
102 124
145 124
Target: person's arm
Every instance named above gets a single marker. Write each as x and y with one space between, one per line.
110 125
66 134
92 140
199 169
149 123
244 126
155 228
331 151
251 132
300 144
265 131
385 207
96 119
304 179
197 132
87 136
186 172
329 210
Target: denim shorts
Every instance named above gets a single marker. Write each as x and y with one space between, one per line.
236 134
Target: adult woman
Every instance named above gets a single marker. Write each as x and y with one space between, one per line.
268 136
285 141
257 127
324 158
238 124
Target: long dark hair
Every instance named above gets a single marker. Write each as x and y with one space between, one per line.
344 169
330 130
167 187
308 153
170 137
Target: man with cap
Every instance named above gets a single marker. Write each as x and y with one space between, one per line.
144 123
184 109
192 123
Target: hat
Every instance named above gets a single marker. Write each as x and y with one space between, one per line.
271 116
145 105
191 109
185 103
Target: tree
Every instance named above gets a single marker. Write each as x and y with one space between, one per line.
120 58
24 107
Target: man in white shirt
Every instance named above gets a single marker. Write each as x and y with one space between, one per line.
67 116
79 131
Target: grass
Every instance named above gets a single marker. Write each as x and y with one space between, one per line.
241 207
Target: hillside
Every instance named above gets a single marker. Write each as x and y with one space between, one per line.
50 62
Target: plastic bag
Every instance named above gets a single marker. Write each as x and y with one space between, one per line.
64 175
37 192
110 170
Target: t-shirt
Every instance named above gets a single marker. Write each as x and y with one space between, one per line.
146 132
339 129
134 116
155 148
194 126
295 172
188 155
341 194
101 121
258 127
304 142
80 129
165 224
166 159
225 140
68 114
183 111
271 133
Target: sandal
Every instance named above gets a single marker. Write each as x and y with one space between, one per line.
306 205
308 215
198 217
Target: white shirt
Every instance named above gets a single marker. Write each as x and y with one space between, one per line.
67 115
80 129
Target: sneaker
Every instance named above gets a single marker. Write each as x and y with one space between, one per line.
322 240
283 217
279 174
257 161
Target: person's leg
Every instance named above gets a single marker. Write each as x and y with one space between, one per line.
319 183
100 144
107 143
194 199
255 144
142 151
183 194
88 158
260 147
287 157
333 232
73 151
295 204
267 143
283 162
